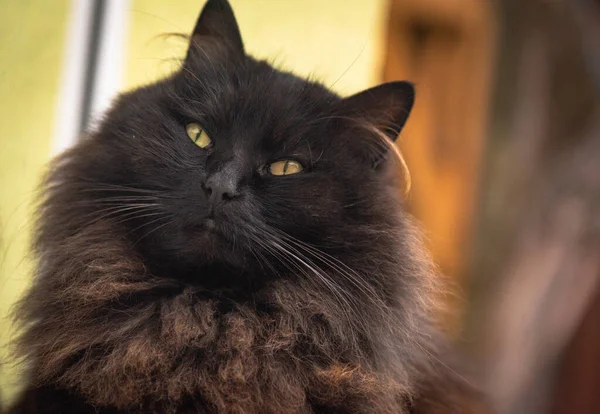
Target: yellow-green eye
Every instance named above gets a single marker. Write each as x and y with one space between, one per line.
285 167
198 135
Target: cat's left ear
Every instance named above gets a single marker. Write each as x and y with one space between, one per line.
218 24
386 107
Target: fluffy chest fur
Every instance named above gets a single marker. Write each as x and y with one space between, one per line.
127 340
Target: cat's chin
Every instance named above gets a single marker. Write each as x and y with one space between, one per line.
206 239
186 254
210 242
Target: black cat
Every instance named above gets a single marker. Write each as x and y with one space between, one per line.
231 240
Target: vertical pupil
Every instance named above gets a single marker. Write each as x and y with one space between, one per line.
285 167
197 137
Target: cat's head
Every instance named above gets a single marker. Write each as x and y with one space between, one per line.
230 162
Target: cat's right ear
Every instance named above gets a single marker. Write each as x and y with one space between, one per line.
216 25
383 110
386 106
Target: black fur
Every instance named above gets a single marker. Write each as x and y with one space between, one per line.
302 293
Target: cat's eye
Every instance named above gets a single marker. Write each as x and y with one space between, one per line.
198 135
285 167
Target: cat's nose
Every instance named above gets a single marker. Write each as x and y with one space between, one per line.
220 188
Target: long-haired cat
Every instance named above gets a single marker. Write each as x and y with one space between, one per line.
231 240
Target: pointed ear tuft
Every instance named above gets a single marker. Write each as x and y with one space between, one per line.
216 22
386 106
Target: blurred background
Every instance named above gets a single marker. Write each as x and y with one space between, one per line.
503 146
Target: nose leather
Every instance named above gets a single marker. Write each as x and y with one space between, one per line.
222 186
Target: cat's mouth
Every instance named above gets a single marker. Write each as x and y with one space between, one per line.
209 232
208 227
210 224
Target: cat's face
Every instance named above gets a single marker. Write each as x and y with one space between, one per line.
235 160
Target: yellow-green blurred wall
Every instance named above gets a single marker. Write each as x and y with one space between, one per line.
324 38
336 41
31 50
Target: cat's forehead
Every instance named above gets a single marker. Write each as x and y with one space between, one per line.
254 99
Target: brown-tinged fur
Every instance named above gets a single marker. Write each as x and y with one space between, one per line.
312 295
105 328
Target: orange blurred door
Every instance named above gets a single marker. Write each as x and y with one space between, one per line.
446 47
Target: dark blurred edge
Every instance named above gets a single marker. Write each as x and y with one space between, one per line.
534 278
